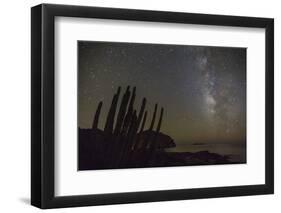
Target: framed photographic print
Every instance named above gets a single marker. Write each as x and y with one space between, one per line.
139 106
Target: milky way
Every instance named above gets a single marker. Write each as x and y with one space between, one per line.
202 89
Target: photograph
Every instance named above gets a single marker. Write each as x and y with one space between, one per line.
160 105
134 105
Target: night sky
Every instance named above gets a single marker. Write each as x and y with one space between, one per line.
202 89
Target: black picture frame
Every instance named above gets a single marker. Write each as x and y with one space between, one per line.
43 117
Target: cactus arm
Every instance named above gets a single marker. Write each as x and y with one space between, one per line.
97 116
148 137
122 111
111 114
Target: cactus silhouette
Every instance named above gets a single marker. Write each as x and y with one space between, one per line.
136 145
97 116
153 143
149 136
111 114
122 111
121 144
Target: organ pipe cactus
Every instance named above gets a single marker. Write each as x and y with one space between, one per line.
122 143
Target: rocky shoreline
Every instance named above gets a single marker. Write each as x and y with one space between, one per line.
93 154
197 158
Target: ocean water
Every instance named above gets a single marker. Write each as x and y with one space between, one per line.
236 152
